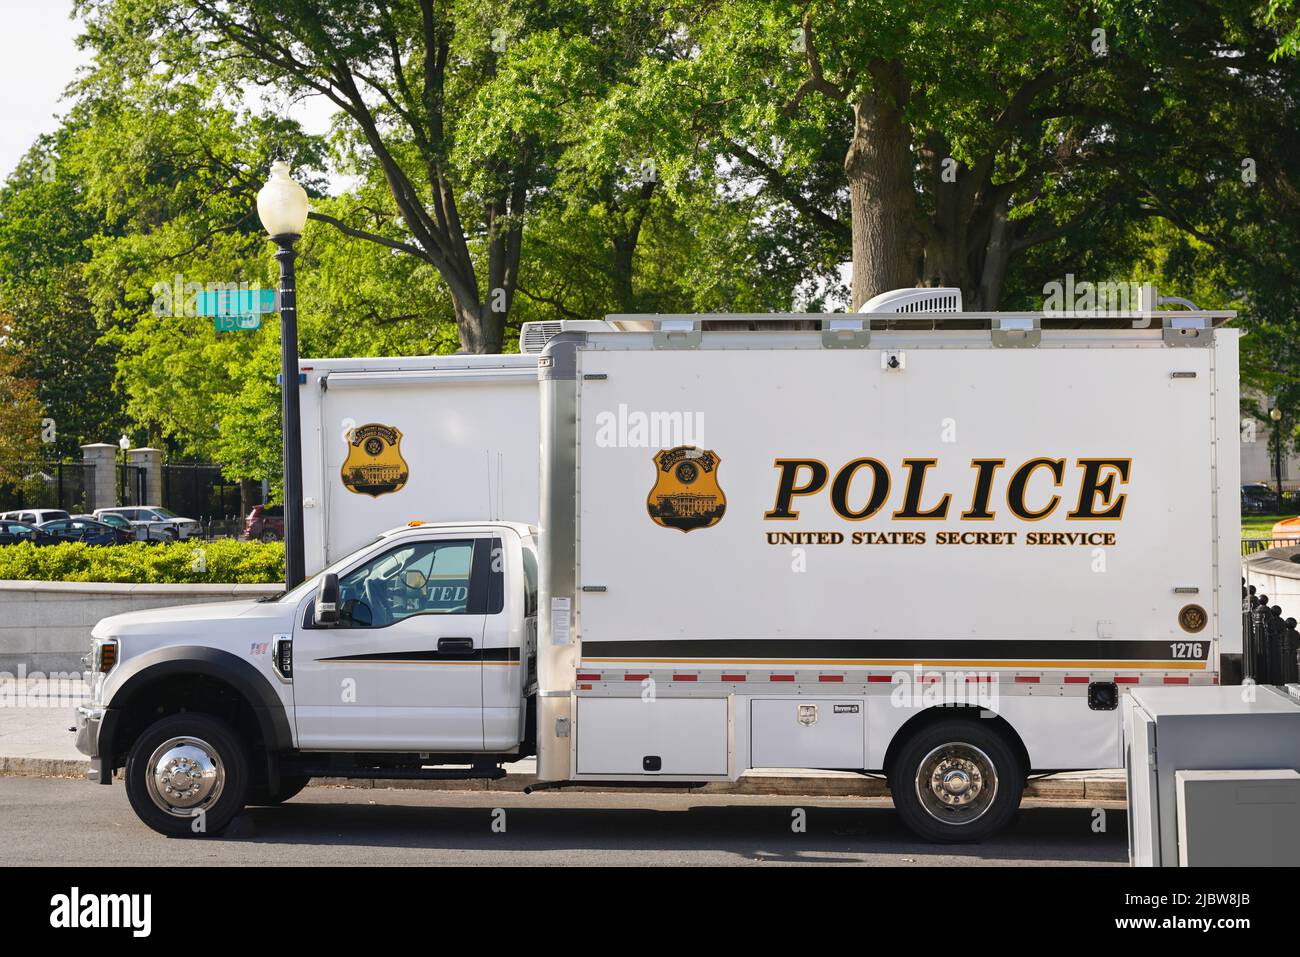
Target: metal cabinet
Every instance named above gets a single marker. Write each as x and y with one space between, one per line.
1168 730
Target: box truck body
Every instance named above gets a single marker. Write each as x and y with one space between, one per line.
454 439
801 547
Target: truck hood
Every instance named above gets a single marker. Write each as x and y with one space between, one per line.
171 619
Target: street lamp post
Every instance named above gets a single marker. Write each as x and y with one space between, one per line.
122 491
282 207
1276 415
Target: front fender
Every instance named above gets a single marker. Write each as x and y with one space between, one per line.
139 673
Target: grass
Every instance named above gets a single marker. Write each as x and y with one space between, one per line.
1260 526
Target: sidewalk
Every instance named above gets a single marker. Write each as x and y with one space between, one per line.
36 742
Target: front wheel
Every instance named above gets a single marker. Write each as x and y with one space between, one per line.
957 781
187 775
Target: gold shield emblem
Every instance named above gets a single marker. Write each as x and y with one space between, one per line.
686 494
374 465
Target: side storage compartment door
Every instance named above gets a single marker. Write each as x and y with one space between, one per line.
678 736
807 733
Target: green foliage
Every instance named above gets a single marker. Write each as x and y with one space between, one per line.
43 235
599 156
225 561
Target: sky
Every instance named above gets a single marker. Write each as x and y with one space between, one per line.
39 58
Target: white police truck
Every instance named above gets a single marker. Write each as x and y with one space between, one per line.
933 546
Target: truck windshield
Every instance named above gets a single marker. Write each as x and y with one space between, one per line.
310 584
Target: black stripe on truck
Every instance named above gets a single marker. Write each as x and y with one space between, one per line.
919 649
483 654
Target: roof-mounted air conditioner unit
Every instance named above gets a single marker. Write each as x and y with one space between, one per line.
937 299
533 336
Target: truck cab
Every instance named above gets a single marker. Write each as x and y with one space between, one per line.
413 653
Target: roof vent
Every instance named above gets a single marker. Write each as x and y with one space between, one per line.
533 336
938 299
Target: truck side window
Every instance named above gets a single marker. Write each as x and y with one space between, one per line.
422 578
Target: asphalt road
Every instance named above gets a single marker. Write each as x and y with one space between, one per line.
65 822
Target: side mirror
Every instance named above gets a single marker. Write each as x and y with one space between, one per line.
326 611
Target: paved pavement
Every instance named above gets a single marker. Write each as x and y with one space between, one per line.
64 822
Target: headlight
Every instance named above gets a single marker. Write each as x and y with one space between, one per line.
103 655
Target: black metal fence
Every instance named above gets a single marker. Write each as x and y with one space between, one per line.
64 485
1251 546
198 491
132 485
1270 642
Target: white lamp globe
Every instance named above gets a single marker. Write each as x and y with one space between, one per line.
282 203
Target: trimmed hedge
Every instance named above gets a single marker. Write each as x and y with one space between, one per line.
225 561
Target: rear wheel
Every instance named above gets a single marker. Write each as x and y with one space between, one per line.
187 775
957 781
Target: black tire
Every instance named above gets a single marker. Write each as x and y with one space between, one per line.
972 806
260 796
269 536
202 735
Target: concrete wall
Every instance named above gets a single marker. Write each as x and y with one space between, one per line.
45 626
151 461
1275 574
102 491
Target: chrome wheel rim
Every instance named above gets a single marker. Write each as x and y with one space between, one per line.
185 776
956 783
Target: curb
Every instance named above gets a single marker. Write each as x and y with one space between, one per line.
859 786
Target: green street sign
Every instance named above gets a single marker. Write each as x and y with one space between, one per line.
236 323
239 303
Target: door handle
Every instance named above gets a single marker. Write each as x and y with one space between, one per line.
455 646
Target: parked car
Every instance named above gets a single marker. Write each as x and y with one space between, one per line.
265 523
115 520
1258 499
35 516
87 530
153 523
12 532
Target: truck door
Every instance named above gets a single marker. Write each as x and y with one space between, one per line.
402 670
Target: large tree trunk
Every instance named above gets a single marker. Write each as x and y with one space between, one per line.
481 329
622 288
997 253
882 196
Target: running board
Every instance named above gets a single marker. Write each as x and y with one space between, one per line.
479 773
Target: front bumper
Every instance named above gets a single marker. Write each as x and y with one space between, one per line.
89 720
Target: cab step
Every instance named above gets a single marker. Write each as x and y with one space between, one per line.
475 773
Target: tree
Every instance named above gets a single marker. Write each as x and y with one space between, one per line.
957 128
44 235
405 75
20 412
